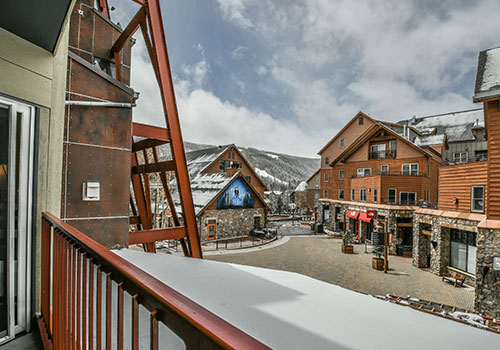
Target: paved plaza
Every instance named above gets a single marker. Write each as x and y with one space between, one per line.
320 257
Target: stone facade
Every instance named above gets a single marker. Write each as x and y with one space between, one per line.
230 222
487 300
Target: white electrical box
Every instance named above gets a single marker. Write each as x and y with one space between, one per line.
496 264
91 191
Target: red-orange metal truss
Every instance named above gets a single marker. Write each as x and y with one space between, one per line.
149 19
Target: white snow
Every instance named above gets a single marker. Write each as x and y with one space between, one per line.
274 156
301 187
263 173
430 140
472 319
451 119
286 310
491 75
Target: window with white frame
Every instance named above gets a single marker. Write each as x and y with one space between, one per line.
377 151
325 194
477 195
342 143
460 157
392 195
362 172
316 187
375 195
325 177
341 194
410 169
392 145
362 195
407 197
384 169
341 174
352 194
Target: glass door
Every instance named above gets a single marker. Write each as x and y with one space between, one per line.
16 179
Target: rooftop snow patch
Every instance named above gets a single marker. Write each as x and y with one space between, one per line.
301 187
286 310
488 75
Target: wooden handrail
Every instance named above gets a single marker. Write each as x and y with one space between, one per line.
194 324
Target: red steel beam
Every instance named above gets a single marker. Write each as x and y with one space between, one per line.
127 33
158 234
172 120
150 131
104 8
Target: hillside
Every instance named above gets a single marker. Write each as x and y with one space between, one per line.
278 171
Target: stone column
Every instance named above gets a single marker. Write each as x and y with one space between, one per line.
487 292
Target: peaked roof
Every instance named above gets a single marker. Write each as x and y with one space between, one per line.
359 114
488 75
367 135
315 173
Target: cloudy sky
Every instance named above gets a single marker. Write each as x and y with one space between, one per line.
286 75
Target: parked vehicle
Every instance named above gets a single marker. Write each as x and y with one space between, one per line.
264 233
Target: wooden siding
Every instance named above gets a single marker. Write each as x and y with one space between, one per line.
492 119
456 181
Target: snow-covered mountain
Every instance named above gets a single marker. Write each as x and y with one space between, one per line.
278 171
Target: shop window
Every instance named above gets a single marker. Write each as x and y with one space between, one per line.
341 194
325 177
463 250
256 222
392 195
362 195
375 195
341 174
410 169
477 199
384 169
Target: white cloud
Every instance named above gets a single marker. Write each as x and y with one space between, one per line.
234 11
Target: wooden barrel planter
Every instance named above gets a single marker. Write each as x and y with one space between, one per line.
347 249
378 264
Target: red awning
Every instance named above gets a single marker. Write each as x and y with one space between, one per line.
365 217
353 214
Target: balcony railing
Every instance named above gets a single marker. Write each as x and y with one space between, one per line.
391 173
422 204
382 154
473 159
85 289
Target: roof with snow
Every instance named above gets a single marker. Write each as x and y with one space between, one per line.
287 310
301 187
456 126
488 75
197 161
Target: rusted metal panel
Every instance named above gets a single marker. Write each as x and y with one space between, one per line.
85 34
101 126
111 233
87 163
103 38
74 24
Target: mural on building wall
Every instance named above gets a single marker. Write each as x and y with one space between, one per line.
236 196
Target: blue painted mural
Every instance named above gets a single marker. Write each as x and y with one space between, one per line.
236 196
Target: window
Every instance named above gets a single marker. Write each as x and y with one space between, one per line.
384 169
375 195
256 222
236 165
325 177
342 143
392 145
249 179
352 194
105 65
327 160
429 170
211 228
377 151
341 174
317 177
316 196
407 197
326 194
477 204
460 157
360 120
341 194
481 156
463 250
410 169
316 187
362 195
362 172
392 195
426 196
224 165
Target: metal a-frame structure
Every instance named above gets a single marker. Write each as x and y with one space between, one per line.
149 20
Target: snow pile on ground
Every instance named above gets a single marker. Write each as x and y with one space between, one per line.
273 156
263 173
472 319
301 187
286 310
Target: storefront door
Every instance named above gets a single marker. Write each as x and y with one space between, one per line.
16 178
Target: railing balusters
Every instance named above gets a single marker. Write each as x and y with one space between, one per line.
108 311
135 322
69 295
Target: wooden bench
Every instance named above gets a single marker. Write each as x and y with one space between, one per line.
455 277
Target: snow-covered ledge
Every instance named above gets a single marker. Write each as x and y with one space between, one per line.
286 310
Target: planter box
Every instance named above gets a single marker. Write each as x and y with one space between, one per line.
378 264
347 249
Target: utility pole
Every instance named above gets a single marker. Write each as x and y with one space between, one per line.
386 246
